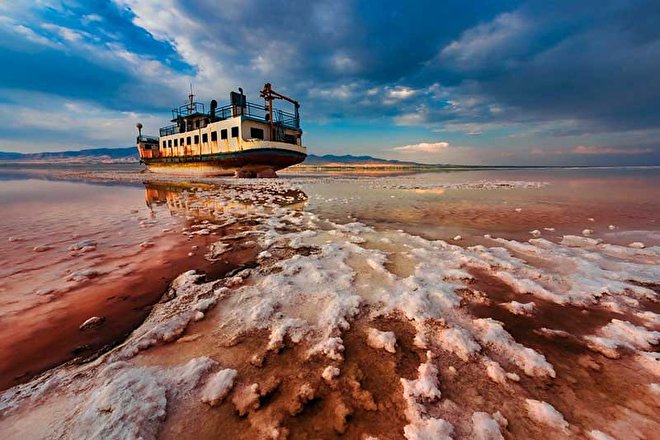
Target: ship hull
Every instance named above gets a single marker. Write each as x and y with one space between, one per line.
261 162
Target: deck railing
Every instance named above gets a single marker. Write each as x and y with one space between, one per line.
188 109
258 112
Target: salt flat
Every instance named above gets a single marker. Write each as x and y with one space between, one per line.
359 312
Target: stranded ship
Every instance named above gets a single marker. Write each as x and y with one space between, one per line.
242 138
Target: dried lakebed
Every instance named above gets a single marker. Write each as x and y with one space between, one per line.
369 332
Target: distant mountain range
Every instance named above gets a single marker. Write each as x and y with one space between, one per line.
130 154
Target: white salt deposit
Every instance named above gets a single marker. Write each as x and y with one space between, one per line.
419 392
651 318
458 341
381 340
494 371
218 386
132 401
622 334
637 245
484 427
531 362
500 419
92 322
599 435
635 336
429 429
296 329
517 308
546 414
552 332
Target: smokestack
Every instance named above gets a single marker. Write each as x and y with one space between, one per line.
214 105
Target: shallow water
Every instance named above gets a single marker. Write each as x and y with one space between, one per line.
70 251
442 205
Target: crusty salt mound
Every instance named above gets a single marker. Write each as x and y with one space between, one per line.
341 329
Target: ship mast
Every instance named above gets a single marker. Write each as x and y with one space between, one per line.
191 98
269 96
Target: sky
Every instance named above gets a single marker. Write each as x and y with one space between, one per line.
500 82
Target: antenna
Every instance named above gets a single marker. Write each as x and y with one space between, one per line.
191 98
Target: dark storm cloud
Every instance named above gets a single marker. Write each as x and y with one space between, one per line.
587 61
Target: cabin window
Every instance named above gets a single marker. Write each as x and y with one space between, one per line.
181 142
188 140
176 142
256 133
197 124
164 143
190 126
223 134
169 143
234 132
205 138
214 136
196 139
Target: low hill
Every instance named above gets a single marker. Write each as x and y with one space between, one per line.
130 154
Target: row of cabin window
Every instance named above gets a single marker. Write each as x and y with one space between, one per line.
205 139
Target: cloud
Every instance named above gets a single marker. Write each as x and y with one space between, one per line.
506 36
400 92
596 150
79 125
423 147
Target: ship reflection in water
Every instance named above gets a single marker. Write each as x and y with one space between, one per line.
209 202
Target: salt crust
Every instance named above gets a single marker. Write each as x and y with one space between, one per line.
496 373
381 340
131 402
526 309
484 427
458 341
218 386
493 334
544 413
429 429
417 393
622 334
